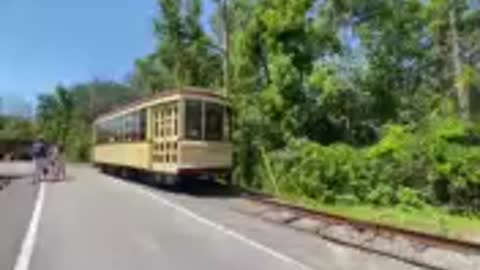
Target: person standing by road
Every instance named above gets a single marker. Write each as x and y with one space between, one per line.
39 156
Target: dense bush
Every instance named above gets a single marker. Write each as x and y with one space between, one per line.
408 166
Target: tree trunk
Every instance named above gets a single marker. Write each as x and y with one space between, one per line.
462 92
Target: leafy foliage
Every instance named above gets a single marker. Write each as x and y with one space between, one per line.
407 167
15 128
184 54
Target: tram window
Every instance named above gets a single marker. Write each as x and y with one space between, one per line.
99 133
143 125
127 128
175 121
130 128
108 131
115 130
135 127
193 127
175 127
214 115
120 129
105 132
127 124
122 126
127 135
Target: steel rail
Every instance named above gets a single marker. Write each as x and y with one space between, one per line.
427 239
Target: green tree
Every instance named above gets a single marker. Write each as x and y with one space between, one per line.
274 46
99 96
184 54
16 128
455 35
55 115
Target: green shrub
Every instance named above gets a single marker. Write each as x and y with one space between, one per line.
409 167
381 195
410 197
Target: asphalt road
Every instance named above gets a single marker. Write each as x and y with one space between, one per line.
17 198
99 222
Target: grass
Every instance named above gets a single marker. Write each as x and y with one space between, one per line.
430 220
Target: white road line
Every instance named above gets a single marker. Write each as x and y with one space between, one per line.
25 255
214 225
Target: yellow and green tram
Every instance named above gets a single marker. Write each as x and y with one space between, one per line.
175 135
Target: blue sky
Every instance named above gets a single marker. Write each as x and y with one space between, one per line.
50 41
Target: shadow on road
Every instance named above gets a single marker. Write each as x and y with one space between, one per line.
200 188
191 187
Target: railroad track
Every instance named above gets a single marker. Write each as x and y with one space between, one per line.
458 254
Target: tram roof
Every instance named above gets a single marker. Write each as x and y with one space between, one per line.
146 101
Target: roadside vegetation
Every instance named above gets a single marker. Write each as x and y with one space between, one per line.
361 107
16 128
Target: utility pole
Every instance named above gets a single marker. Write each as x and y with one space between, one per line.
226 41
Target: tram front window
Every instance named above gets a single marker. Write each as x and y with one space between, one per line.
193 124
213 122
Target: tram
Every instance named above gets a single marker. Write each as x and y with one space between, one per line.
175 135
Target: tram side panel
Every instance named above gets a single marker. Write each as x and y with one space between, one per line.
133 155
205 155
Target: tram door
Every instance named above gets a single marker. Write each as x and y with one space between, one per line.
165 118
